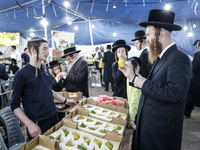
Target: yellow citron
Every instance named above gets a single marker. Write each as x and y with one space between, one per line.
121 62
76 136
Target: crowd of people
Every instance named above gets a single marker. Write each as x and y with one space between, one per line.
157 84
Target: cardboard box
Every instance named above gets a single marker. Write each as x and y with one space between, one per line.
43 141
70 95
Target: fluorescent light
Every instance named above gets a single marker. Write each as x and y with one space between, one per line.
114 5
44 22
114 34
75 28
167 6
66 3
32 34
69 22
194 25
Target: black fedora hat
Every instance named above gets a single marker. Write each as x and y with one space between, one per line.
54 63
161 18
13 60
69 51
196 42
108 47
120 43
140 34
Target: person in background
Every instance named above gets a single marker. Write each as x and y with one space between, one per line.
140 44
32 84
77 74
133 93
193 96
159 122
16 55
58 81
120 50
108 60
25 57
97 58
13 66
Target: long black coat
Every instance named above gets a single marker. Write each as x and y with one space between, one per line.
77 77
57 86
119 81
161 106
3 73
145 65
108 60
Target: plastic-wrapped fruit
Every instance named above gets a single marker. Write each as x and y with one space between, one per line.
93 112
92 128
89 106
81 147
121 62
87 141
66 132
121 115
82 125
89 120
81 117
97 142
98 123
117 128
112 113
69 144
76 136
104 111
109 145
103 131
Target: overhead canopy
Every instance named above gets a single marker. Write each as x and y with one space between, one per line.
123 20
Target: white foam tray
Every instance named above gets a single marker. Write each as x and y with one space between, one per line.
98 128
101 114
59 134
40 147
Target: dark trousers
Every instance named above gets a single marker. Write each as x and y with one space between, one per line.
188 108
46 124
107 84
100 70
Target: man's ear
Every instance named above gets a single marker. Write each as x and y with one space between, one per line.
160 35
33 51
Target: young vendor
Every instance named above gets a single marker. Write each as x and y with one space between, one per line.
32 83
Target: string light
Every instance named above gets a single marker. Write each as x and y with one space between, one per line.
69 22
66 3
44 22
185 27
93 26
32 34
31 30
167 6
190 34
194 25
114 5
114 34
75 28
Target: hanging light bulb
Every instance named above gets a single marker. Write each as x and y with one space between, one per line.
75 28
66 3
0 33
69 22
93 26
190 34
31 30
194 25
32 34
114 5
167 6
185 27
44 22
114 34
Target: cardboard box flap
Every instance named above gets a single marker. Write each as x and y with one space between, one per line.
73 95
118 120
69 123
78 110
113 136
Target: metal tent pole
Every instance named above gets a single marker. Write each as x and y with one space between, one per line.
45 27
90 28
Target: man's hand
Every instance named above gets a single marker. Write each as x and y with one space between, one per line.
131 126
33 129
71 102
127 72
139 81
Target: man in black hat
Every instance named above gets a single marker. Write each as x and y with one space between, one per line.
193 92
77 74
108 59
140 44
160 112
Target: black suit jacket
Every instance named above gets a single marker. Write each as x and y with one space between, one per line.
77 78
161 106
145 65
57 86
108 60
3 73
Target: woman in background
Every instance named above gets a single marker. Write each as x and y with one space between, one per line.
58 81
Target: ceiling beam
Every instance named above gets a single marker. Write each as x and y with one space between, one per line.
18 6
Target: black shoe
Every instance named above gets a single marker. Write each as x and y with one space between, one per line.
106 90
102 85
187 116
